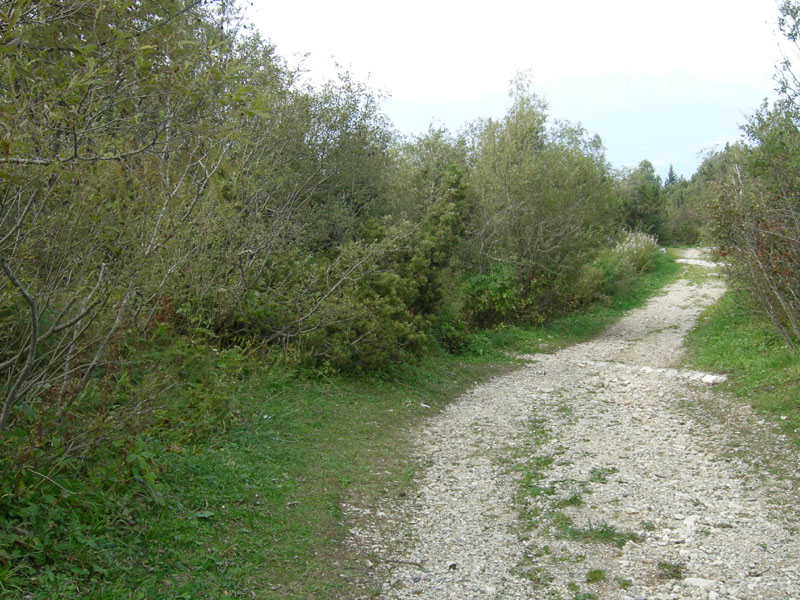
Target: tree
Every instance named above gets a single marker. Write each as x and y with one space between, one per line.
756 216
642 201
672 178
107 153
543 202
756 209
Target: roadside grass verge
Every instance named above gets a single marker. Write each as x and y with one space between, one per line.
252 509
233 486
732 338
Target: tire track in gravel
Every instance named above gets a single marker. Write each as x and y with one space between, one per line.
589 474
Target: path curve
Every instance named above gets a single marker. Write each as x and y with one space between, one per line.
592 473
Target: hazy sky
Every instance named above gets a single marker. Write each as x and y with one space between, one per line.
657 80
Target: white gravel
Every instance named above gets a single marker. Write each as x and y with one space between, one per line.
648 449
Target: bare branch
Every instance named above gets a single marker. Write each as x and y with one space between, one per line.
11 396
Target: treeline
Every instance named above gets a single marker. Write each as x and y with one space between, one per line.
164 176
163 168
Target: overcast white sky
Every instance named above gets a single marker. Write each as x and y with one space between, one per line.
638 72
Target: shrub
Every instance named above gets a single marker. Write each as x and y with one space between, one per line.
755 217
492 298
635 252
616 268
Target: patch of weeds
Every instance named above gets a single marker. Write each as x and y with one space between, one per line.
537 576
533 474
603 533
530 488
578 559
535 490
565 410
669 570
573 587
624 583
648 526
573 500
595 576
538 431
541 462
561 521
582 486
600 474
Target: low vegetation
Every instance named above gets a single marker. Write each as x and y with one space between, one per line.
732 338
249 505
671 570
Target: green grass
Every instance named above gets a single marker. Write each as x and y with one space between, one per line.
624 583
600 474
731 338
573 500
603 533
595 576
254 509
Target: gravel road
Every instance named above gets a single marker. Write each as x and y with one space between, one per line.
601 471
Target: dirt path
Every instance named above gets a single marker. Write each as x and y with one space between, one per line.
601 471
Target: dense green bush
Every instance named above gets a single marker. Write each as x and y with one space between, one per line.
493 298
643 203
684 211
